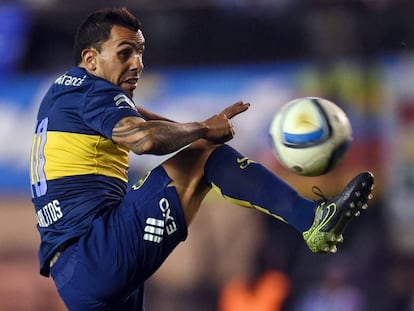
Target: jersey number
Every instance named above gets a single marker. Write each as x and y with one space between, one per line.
37 172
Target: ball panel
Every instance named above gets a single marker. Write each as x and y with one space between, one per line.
337 155
304 124
302 118
303 140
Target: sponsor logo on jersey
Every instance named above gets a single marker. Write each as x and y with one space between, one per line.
170 225
68 80
154 228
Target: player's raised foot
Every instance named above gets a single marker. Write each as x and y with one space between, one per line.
332 215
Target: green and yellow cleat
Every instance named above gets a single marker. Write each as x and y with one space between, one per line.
332 215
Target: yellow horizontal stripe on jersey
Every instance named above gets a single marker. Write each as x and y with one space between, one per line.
70 154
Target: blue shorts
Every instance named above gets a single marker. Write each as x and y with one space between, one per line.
106 268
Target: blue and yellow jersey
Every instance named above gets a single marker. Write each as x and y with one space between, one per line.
77 171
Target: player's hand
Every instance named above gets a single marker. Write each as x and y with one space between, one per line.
220 128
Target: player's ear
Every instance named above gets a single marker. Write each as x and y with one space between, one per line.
89 58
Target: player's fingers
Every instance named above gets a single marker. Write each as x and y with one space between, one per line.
235 109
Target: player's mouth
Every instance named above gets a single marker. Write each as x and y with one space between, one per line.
130 84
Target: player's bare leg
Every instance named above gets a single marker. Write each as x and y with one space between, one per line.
186 169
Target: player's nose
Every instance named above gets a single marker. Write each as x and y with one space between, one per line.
137 62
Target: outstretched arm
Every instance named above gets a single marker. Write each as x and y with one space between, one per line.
163 137
156 137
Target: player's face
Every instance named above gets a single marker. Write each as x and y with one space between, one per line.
120 58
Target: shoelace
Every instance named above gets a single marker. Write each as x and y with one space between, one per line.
317 191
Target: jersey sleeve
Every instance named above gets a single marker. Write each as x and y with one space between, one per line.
105 107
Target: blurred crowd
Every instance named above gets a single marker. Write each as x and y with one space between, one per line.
192 32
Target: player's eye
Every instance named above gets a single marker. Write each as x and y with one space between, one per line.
125 53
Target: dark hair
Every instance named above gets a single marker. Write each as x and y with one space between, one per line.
96 28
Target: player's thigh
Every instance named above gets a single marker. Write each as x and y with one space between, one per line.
187 166
186 170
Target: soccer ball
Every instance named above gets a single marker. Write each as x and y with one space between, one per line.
310 135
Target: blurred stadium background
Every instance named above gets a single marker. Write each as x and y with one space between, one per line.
200 56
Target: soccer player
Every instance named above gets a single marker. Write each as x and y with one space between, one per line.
100 242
